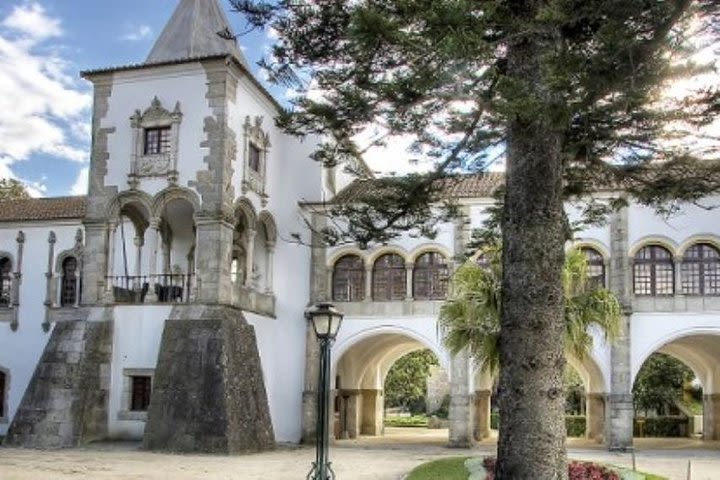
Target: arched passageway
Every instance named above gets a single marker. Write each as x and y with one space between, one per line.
700 352
360 371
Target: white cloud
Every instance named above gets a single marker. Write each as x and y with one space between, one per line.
32 21
80 187
138 33
35 189
42 105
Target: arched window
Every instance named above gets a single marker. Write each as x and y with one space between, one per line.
69 282
5 282
596 267
389 279
430 277
700 270
348 282
653 271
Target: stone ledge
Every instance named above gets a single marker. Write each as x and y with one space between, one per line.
398 308
130 415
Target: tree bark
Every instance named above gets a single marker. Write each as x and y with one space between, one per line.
531 396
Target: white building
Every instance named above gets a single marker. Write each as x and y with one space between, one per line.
147 283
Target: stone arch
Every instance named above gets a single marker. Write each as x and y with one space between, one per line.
140 203
708 238
170 194
244 209
597 245
375 254
659 240
427 248
266 219
344 251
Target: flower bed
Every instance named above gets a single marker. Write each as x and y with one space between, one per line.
576 471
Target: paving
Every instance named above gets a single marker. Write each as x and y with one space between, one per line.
369 458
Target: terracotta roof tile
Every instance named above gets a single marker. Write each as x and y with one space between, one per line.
30 209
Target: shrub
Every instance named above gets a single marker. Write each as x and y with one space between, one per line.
494 420
576 471
443 410
575 425
414 421
667 426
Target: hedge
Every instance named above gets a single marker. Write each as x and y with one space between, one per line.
665 426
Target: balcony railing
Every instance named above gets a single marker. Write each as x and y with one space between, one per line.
164 288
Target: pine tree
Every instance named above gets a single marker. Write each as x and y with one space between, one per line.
11 189
570 89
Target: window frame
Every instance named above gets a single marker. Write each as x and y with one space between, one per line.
652 263
162 145
6 282
437 286
394 276
144 395
694 270
595 259
352 276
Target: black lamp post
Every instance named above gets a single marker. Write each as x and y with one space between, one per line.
326 320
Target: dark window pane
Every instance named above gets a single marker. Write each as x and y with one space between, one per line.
348 283
140 395
5 281
68 283
430 277
596 267
157 140
389 278
700 270
653 271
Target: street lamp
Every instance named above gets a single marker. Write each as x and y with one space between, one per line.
326 320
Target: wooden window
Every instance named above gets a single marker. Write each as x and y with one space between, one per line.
596 267
430 277
348 282
700 270
5 282
157 141
389 278
69 284
140 393
653 271
3 384
254 158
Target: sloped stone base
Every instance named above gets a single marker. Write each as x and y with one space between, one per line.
66 402
208 393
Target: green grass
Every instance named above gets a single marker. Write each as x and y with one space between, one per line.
695 407
414 421
444 469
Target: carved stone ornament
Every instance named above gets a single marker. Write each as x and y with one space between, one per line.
256 136
154 165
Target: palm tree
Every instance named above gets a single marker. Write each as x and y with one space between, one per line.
470 318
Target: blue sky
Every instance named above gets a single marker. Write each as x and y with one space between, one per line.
44 105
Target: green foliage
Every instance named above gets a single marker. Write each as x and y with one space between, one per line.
470 318
412 421
443 411
575 425
574 392
660 382
443 469
11 189
406 382
663 426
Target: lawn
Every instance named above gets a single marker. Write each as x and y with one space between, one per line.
404 421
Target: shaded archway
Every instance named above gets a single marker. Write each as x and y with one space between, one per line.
699 350
362 365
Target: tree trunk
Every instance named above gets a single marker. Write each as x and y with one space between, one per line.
532 354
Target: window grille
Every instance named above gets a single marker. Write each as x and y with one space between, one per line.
700 270
389 278
430 277
348 282
653 271
140 394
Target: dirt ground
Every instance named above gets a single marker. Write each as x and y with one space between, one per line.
385 458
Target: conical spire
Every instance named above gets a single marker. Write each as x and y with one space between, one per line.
198 28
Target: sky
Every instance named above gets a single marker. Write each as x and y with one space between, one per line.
45 106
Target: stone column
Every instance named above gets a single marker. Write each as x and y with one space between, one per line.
49 297
310 390
95 261
350 410
595 416
621 412
368 284
460 415
482 414
155 246
110 270
711 416
409 280
139 241
269 268
249 254
372 412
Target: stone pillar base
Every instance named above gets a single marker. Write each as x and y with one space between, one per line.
66 403
620 426
372 412
595 417
209 395
711 416
460 435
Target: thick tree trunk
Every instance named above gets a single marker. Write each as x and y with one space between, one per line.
531 397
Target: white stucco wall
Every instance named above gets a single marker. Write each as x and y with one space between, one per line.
21 350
